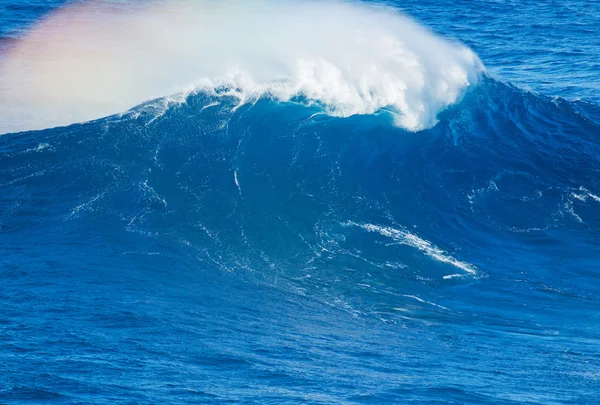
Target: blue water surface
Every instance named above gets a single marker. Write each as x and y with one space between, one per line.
265 254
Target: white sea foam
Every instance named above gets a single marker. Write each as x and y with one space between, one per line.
421 300
582 194
94 59
409 239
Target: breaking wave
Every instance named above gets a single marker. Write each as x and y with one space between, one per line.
91 60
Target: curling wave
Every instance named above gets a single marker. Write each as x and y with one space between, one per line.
91 60
237 242
324 206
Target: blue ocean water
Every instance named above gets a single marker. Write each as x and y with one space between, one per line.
214 251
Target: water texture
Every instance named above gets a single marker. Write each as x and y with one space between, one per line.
300 202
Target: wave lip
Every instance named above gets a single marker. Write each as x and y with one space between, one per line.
91 60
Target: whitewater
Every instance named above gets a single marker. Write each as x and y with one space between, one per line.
95 59
282 202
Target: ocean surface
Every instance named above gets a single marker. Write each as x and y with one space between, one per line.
282 202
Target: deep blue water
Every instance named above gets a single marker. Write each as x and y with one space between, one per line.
265 254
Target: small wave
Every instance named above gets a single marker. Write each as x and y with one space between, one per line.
91 60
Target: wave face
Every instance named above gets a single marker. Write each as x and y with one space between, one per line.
460 226
91 60
253 241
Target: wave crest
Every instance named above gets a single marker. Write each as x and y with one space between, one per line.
89 61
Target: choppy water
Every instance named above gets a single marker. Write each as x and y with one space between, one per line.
245 243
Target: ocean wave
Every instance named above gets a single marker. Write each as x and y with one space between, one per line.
91 60
291 197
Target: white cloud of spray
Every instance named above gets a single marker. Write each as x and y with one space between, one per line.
95 59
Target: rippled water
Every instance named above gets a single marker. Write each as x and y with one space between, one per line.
212 250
